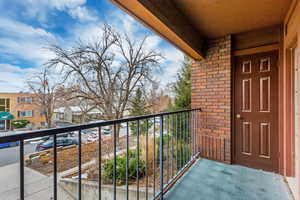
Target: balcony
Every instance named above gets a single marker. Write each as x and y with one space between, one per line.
146 157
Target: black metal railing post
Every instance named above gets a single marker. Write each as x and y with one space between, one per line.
55 168
177 145
115 162
172 144
154 159
79 165
194 132
181 137
99 163
186 134
22 185
185 138
127 159
168 146
161 164
138 161
147 146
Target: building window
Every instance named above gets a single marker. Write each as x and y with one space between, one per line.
2 125
28 100
4 105
61 116
25 113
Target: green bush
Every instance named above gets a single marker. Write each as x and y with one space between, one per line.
181 153
143 127
19 123
121 168
166 139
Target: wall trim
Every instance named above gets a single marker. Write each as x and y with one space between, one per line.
255 50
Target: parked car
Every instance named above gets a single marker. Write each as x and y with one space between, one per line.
65 135
60 142
9 144
92 138
87 131
106 131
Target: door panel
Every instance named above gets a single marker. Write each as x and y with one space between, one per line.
256 111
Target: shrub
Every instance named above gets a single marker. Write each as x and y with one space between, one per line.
121 168
144 127
19 123
150 151
181 153
166 139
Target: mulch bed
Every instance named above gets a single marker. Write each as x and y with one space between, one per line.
68 158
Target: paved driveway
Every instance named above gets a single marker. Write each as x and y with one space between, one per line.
209 180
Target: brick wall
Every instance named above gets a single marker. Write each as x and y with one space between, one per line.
211 91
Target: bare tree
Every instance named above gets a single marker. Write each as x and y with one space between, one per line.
108 70
46 93
153 98
85 108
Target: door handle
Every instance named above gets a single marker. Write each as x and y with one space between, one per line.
238 116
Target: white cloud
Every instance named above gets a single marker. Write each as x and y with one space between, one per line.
12 77
15 28
41 9
85 32
24 41
171 66
124 23
9 68
153 42
173 54
82 13
65 4
118 20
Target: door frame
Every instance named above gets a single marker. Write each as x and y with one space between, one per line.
251 51
296 157
294 51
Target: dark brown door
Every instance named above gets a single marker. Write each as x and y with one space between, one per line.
256 111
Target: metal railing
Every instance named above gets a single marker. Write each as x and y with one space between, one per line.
170 137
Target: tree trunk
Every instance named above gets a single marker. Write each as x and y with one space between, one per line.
49 122
118 127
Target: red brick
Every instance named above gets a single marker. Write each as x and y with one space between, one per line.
211 91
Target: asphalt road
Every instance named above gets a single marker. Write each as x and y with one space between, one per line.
11 155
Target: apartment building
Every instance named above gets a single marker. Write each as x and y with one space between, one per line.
22 107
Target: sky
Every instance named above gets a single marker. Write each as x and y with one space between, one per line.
28 26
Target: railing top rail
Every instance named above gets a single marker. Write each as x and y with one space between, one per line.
53 131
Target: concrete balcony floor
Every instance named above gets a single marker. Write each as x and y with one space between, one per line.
210 180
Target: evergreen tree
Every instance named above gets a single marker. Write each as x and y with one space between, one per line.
139 107
182 87
182 90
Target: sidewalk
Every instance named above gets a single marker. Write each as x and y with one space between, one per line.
37 186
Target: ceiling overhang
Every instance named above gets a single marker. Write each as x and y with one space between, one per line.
169 27
189 23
